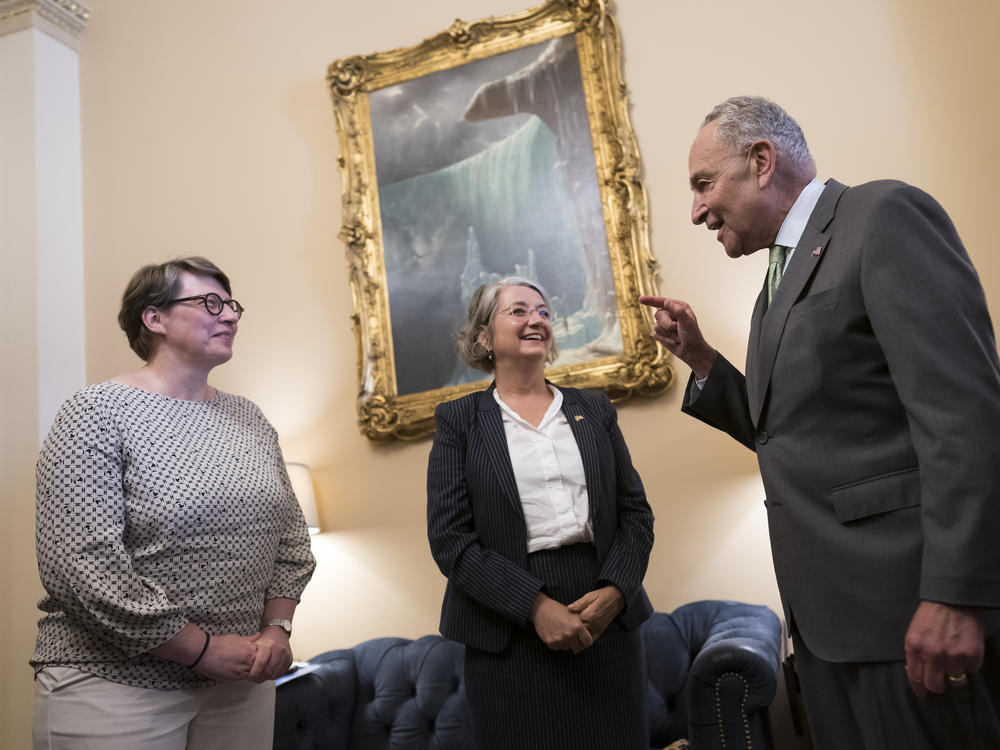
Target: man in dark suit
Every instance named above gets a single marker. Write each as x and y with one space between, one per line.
872 400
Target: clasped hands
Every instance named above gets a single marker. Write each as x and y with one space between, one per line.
259 657
576 626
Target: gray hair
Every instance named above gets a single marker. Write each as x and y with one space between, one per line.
743 120
154 286
482 308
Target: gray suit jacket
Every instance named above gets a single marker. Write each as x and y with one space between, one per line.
476 526
872 399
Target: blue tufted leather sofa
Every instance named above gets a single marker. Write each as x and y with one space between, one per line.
712 668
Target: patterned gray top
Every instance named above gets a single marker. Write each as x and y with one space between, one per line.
153 512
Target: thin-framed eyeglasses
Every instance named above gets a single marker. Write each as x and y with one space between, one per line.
214 303
520 311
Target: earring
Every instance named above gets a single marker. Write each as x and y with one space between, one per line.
489 354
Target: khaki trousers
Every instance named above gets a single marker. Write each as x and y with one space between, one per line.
76 710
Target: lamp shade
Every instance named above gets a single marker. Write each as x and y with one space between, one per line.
302 486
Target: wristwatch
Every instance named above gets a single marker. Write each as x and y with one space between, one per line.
285 625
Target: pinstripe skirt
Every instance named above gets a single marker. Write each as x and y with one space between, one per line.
529 697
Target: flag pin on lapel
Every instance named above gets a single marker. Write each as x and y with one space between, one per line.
578 417
818 250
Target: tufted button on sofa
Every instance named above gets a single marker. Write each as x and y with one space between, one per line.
712 671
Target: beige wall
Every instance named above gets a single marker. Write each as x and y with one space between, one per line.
207 128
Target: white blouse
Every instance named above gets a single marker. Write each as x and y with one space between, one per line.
550 479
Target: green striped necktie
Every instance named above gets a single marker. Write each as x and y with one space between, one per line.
775 265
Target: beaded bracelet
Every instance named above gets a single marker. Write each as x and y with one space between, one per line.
203 650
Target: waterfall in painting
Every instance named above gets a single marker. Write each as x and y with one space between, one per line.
526 204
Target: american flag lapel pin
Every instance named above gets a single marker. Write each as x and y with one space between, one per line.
818 250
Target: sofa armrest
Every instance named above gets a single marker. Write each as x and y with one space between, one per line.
741 658
734 675
316 709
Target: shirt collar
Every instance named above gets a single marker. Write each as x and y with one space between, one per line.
795 222
554 408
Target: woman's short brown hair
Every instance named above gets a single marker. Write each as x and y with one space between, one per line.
154 286
482 308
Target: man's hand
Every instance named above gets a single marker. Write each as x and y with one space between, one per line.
228 657
598 608
944 644
559 629
274 655
677 329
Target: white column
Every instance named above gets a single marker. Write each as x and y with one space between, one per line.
41 299
41 202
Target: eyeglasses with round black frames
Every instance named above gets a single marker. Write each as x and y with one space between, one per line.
523 312
214 303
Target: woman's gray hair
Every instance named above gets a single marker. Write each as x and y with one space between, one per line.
744 120
154 286
482 308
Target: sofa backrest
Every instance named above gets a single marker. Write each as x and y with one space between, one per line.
397 693
386 692
412 693
668 662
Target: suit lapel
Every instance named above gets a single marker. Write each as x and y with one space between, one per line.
495 440
583 425
770 323
753 349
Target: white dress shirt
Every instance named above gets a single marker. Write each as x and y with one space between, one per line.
798 215
550 479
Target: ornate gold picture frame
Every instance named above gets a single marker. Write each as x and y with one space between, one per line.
494 148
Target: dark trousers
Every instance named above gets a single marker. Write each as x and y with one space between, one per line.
870 706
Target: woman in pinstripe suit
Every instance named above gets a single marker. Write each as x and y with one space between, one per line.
540 523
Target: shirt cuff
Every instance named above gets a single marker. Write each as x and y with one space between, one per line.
694 391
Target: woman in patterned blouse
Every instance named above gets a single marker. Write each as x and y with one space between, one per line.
170 544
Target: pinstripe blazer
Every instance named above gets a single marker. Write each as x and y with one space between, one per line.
476 526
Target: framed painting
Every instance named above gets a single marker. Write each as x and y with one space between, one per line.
495 148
